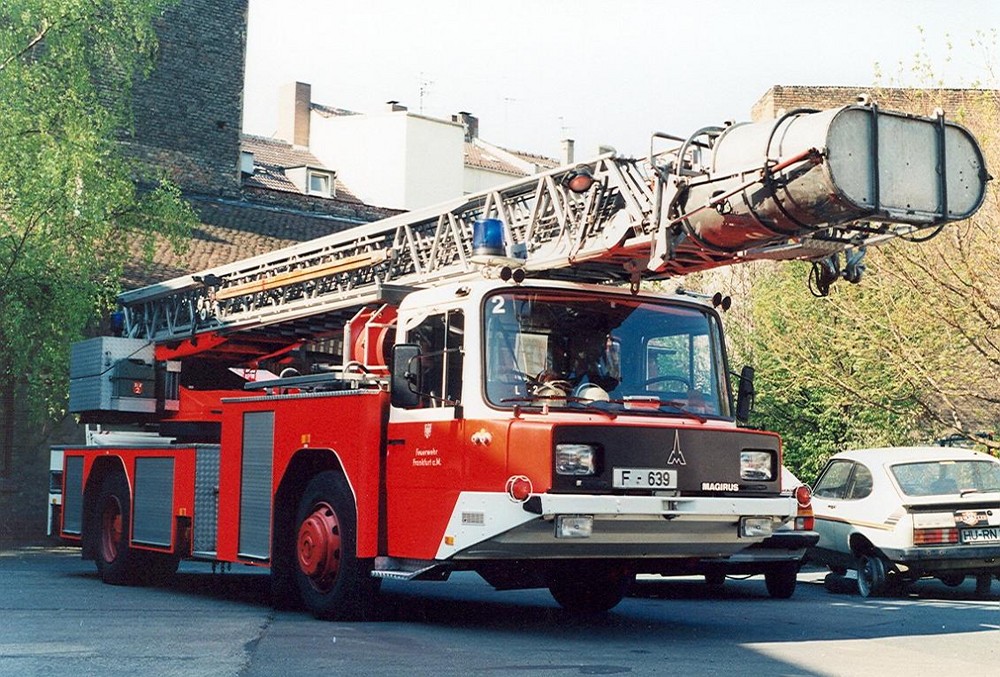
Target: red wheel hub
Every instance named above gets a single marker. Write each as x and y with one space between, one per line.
111 529
318 546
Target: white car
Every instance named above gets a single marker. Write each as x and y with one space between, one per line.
898 514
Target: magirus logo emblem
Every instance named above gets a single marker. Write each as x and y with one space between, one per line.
676 456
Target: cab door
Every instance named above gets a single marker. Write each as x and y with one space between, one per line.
425 449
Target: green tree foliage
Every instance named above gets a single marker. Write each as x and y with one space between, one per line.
823 378
912 353
73 207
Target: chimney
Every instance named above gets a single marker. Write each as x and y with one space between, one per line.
567 151
471 124
394 106
294 104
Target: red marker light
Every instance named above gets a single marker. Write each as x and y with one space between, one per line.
519 488
804 496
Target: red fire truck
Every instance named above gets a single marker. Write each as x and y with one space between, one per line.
487 385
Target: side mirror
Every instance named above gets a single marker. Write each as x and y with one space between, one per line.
745 395
405 384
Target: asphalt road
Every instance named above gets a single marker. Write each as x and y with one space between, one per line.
57 618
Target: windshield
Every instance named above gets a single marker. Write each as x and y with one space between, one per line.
933 478
577 349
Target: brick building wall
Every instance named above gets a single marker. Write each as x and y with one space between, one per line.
188 113
956 103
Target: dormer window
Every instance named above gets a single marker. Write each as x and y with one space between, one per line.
320 183
313 180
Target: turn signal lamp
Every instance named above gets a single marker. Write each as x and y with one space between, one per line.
487 238
804 520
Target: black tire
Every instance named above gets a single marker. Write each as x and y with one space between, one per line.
838 584
951 579
117 562
332 582
781 579
585 590
715 579
871 576
983 584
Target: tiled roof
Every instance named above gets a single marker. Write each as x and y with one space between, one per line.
481 158
271 157
330 111
483 155
231 230
540 161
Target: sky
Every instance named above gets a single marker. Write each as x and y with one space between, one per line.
603 72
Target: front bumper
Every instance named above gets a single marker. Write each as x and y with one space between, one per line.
486 526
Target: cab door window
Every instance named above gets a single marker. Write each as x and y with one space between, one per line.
440 338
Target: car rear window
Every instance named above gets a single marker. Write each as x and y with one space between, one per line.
933 478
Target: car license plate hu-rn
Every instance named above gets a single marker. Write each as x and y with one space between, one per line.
981 535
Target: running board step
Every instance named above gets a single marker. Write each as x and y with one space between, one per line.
410 569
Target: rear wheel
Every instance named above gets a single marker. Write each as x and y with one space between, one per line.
594 589
871 576
983 584
781 579
332 582
117 562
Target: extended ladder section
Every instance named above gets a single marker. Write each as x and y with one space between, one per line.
806 186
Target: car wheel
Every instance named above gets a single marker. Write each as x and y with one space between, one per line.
952 580
871 576
715 579
838 584
983 584
781 579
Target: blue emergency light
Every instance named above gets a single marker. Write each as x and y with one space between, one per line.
487 238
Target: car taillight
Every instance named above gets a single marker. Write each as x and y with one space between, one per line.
935 536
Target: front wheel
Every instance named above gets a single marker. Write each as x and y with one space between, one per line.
332 582
781 579
871 576
589 589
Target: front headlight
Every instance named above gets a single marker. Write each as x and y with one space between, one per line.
757 466
576 459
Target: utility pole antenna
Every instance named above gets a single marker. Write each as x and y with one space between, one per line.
425 88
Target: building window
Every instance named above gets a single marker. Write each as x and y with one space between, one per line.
320 184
